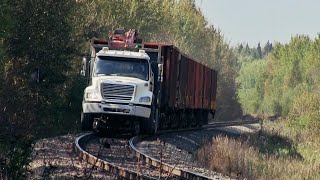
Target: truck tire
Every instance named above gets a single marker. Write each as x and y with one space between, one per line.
148 125
135 128
86 121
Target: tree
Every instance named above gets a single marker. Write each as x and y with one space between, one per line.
240 48
39 38
267 48
259 51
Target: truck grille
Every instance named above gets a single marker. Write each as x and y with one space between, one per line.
115 92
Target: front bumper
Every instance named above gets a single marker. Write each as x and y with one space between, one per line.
118 109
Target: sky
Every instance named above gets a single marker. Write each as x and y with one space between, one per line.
254 21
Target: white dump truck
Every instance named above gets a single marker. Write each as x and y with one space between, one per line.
120 84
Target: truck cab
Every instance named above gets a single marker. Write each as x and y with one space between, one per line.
120 88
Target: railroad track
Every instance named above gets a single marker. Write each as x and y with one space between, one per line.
120 162
126 161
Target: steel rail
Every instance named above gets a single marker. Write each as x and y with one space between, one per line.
164 166
129 174
185 174
229 123
104 165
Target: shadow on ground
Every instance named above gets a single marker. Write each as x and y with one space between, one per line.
272 143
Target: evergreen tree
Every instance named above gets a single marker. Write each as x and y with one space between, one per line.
259 51
267 48
270 47
247 49
240 48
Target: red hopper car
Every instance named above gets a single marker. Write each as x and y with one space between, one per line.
187 88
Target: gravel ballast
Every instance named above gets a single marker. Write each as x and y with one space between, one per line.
55 158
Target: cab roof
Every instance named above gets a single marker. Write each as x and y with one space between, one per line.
127 54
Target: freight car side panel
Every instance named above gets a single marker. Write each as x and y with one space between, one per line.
201 84
207 87
174 70
213 89
166 52
186 83
191 84
183 82
197 85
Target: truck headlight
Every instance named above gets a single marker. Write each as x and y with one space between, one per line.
92 95
145 99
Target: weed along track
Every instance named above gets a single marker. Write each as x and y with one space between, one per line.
168 155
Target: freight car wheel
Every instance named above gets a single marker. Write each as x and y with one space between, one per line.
199 118
183 120
205 115
86 121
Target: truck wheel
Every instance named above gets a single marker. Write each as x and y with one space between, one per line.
148 125
135 128
86 121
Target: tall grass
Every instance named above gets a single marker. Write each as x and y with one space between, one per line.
271 154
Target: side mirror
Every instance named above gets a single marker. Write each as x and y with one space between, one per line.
160 66
85 66
82 72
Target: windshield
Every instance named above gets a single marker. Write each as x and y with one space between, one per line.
120 66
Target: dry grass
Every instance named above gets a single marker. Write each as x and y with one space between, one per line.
267 155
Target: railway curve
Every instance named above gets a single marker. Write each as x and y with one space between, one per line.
160 169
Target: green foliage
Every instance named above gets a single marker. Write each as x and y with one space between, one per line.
290 89
305 112
267 48
5 19
285 72
248 54
289 70
259 51
251 85
39 39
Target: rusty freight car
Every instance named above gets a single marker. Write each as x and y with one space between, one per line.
186 89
